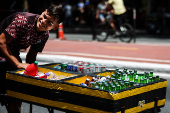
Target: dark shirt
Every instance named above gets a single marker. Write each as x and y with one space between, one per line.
20 28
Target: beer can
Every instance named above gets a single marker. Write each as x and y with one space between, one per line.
75 68
92 68
97 68
103 68
85 70
86 63
70 67
64 66
80 69
88 69
79 62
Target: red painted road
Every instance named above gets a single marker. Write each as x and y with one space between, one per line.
153 53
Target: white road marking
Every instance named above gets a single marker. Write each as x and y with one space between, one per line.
106 56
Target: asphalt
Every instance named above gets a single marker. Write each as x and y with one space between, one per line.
148 53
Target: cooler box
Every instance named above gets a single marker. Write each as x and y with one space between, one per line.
68 95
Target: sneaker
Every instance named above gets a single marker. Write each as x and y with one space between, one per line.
103 34
117 33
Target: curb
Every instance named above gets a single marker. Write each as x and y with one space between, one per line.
109 63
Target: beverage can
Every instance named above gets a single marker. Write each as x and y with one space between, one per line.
70 67
92 68
75 68
80 69
64 66
103 68
86 63
88 69
85 70
97 68
79 62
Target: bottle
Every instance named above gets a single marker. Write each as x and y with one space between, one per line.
131 76
117 87
136 80
87 82
100 86
117 69
151 74
112 75
145 81
93 84
135 72
123 76
32 69
93 79
126 84
153 78
113 88
122 85
124 70
147 75
131 83
157 77
128 76
108 77
150 79
50 75
113 80
98 77
141 80
106 87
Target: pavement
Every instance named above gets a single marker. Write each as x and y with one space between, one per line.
148 53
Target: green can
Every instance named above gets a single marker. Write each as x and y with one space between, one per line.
64 66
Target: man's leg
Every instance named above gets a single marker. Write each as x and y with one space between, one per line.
14 107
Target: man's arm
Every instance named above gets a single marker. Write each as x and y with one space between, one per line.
31 56
107 6
7 54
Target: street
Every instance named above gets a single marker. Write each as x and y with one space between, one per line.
149 53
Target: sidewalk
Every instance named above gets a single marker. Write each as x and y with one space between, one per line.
142 55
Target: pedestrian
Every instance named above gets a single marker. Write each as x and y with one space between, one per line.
68 9
81 11
22 30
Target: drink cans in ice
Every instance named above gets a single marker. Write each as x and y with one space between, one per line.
75 68
70 67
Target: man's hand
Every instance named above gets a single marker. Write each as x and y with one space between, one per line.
22 65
